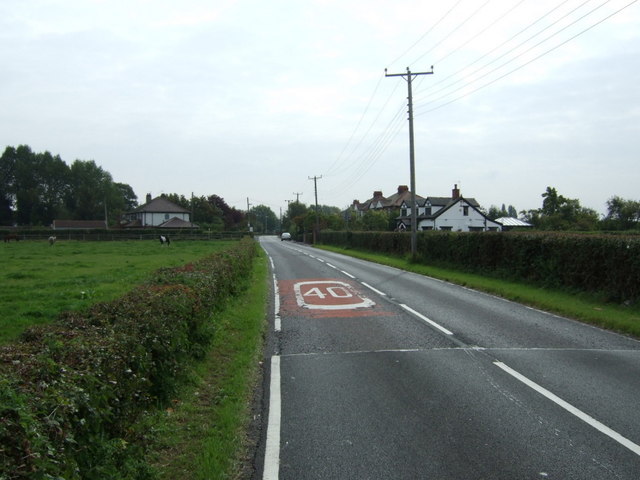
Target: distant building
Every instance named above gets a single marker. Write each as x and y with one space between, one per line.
380 202
509 223
158 212
454 213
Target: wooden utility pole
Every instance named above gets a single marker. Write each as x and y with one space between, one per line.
297 194
412 168
315 188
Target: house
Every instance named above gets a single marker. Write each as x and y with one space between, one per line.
454 213
159 212
380 202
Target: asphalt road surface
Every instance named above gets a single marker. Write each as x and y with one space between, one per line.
376 373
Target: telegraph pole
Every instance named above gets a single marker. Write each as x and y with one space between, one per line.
297 194
414 208
315 188
248 217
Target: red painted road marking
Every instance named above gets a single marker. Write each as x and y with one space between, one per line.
326 298
329 295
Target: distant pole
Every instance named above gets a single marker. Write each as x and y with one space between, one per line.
414 208
297 194
248 216
315 188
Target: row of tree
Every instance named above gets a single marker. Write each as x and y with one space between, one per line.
562 213
36 188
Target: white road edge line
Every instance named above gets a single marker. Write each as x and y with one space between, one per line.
635 448
429 321
276 305
272 448
374 289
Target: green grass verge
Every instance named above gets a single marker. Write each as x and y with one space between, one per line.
204 434
580 306
40 281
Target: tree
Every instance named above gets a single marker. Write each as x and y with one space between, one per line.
91 187
560 213
263 219
495 212
375 221
233 218
622 214
293 220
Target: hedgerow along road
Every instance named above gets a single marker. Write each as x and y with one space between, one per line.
376 373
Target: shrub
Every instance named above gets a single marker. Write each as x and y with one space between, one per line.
603 264
71 391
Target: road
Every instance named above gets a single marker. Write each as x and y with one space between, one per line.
377 373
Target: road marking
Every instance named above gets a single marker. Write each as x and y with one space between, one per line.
374 289
429 321
272 448
347 274
625 442
332 266
329 295
276 305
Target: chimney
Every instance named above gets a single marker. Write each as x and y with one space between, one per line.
148 198
455 193
402 188
377 194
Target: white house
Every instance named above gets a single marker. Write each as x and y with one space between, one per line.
454 213
159 212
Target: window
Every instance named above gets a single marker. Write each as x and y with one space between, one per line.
427 211
447 229
403 212
166 216
465 210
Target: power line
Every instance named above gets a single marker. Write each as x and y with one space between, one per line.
460 25
426 33
530 61
512 50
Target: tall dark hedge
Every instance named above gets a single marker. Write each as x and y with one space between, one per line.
70 392
604 264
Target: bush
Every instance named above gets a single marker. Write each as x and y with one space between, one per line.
70 392
603 264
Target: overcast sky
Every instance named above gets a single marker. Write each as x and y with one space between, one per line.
250 98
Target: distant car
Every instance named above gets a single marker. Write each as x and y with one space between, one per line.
285 236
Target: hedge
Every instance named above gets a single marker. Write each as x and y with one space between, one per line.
602 264
71 392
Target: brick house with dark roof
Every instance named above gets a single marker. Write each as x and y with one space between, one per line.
380 202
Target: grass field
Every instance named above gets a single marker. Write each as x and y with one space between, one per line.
40 281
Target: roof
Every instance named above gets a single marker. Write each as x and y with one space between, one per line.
160 205
512 222
176 222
